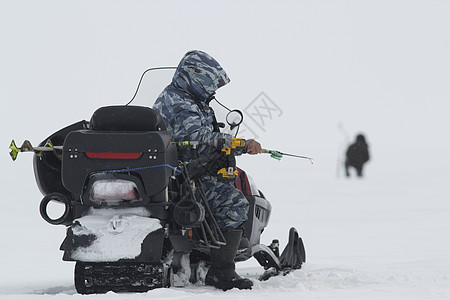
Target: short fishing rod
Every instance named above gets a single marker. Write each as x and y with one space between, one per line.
278 155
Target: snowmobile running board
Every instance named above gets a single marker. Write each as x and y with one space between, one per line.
27 147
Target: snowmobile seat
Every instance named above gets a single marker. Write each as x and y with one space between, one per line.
126 118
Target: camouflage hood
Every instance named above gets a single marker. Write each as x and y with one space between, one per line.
199 75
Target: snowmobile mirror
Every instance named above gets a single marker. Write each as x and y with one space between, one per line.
234 118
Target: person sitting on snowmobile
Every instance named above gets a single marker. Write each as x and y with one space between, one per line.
184 106
357 155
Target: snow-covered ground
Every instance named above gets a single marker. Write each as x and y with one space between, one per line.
328 69
382 237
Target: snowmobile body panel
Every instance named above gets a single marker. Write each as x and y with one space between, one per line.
47 167
87 153
258 219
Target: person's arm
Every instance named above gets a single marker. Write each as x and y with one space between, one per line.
189 125
253 147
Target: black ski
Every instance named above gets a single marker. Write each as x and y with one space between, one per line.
291 259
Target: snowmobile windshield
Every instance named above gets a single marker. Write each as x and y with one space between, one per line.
200 75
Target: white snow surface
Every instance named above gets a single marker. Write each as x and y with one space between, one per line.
117 237
333 68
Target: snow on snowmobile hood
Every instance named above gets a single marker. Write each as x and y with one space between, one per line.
199 74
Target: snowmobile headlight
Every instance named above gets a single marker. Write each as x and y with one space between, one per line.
114 192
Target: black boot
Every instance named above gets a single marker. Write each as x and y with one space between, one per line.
222 272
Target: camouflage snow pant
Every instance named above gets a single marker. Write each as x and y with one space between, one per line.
228 205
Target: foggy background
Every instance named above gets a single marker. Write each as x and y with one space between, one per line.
379 67
332 68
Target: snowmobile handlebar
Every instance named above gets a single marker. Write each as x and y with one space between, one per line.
224 144
228 146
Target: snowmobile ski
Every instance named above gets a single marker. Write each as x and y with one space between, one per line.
291 259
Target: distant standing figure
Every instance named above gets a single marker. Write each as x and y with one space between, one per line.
357 155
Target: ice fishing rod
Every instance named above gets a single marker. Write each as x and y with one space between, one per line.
239 144
278 155
142 76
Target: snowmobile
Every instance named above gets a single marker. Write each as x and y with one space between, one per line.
137 217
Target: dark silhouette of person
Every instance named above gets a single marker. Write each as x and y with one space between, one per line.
357 155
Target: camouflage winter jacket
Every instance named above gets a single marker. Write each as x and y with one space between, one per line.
183 104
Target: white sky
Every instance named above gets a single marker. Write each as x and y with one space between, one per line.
380 67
